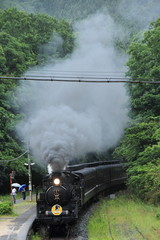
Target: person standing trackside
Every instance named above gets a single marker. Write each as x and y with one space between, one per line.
14 195
24 193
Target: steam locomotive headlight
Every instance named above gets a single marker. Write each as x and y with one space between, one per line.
57 182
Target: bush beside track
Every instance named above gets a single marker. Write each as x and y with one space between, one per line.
6 208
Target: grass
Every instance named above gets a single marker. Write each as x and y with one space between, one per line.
8 197
22 207
123 218
18 208
36 237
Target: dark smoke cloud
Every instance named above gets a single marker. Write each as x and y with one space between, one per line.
68 120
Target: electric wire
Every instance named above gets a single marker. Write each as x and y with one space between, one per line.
86 79
14 159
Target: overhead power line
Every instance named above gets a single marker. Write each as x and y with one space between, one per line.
82 79
14 159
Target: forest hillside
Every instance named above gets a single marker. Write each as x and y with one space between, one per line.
33 33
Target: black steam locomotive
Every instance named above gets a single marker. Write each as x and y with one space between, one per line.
65 193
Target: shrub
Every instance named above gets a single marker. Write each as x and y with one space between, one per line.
5 208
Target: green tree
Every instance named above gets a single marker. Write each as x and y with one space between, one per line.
144 65
22 35
17 55
21 38
140 146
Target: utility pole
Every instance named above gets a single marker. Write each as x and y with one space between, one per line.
11 176
29 164
30 175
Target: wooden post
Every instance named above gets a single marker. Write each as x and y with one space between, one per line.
10 175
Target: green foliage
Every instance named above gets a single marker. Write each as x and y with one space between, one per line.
22 35
144 64
78 10
5 208
144 181
22 38
140 146
137 138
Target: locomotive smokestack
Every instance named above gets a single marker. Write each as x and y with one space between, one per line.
57 164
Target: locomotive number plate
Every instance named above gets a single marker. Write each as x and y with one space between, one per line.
56 209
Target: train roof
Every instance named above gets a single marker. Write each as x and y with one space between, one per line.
81 166
92 164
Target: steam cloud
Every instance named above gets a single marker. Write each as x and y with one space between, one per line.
67 120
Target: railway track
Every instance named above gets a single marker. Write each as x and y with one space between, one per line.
132 232
45 233
109 227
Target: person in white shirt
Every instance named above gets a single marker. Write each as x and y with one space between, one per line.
14 195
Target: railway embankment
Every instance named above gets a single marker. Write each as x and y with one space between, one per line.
124 218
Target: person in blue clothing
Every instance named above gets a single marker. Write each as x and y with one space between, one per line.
24 193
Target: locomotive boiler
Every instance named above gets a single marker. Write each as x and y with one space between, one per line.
65 193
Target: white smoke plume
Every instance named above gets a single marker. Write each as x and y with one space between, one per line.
67 120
